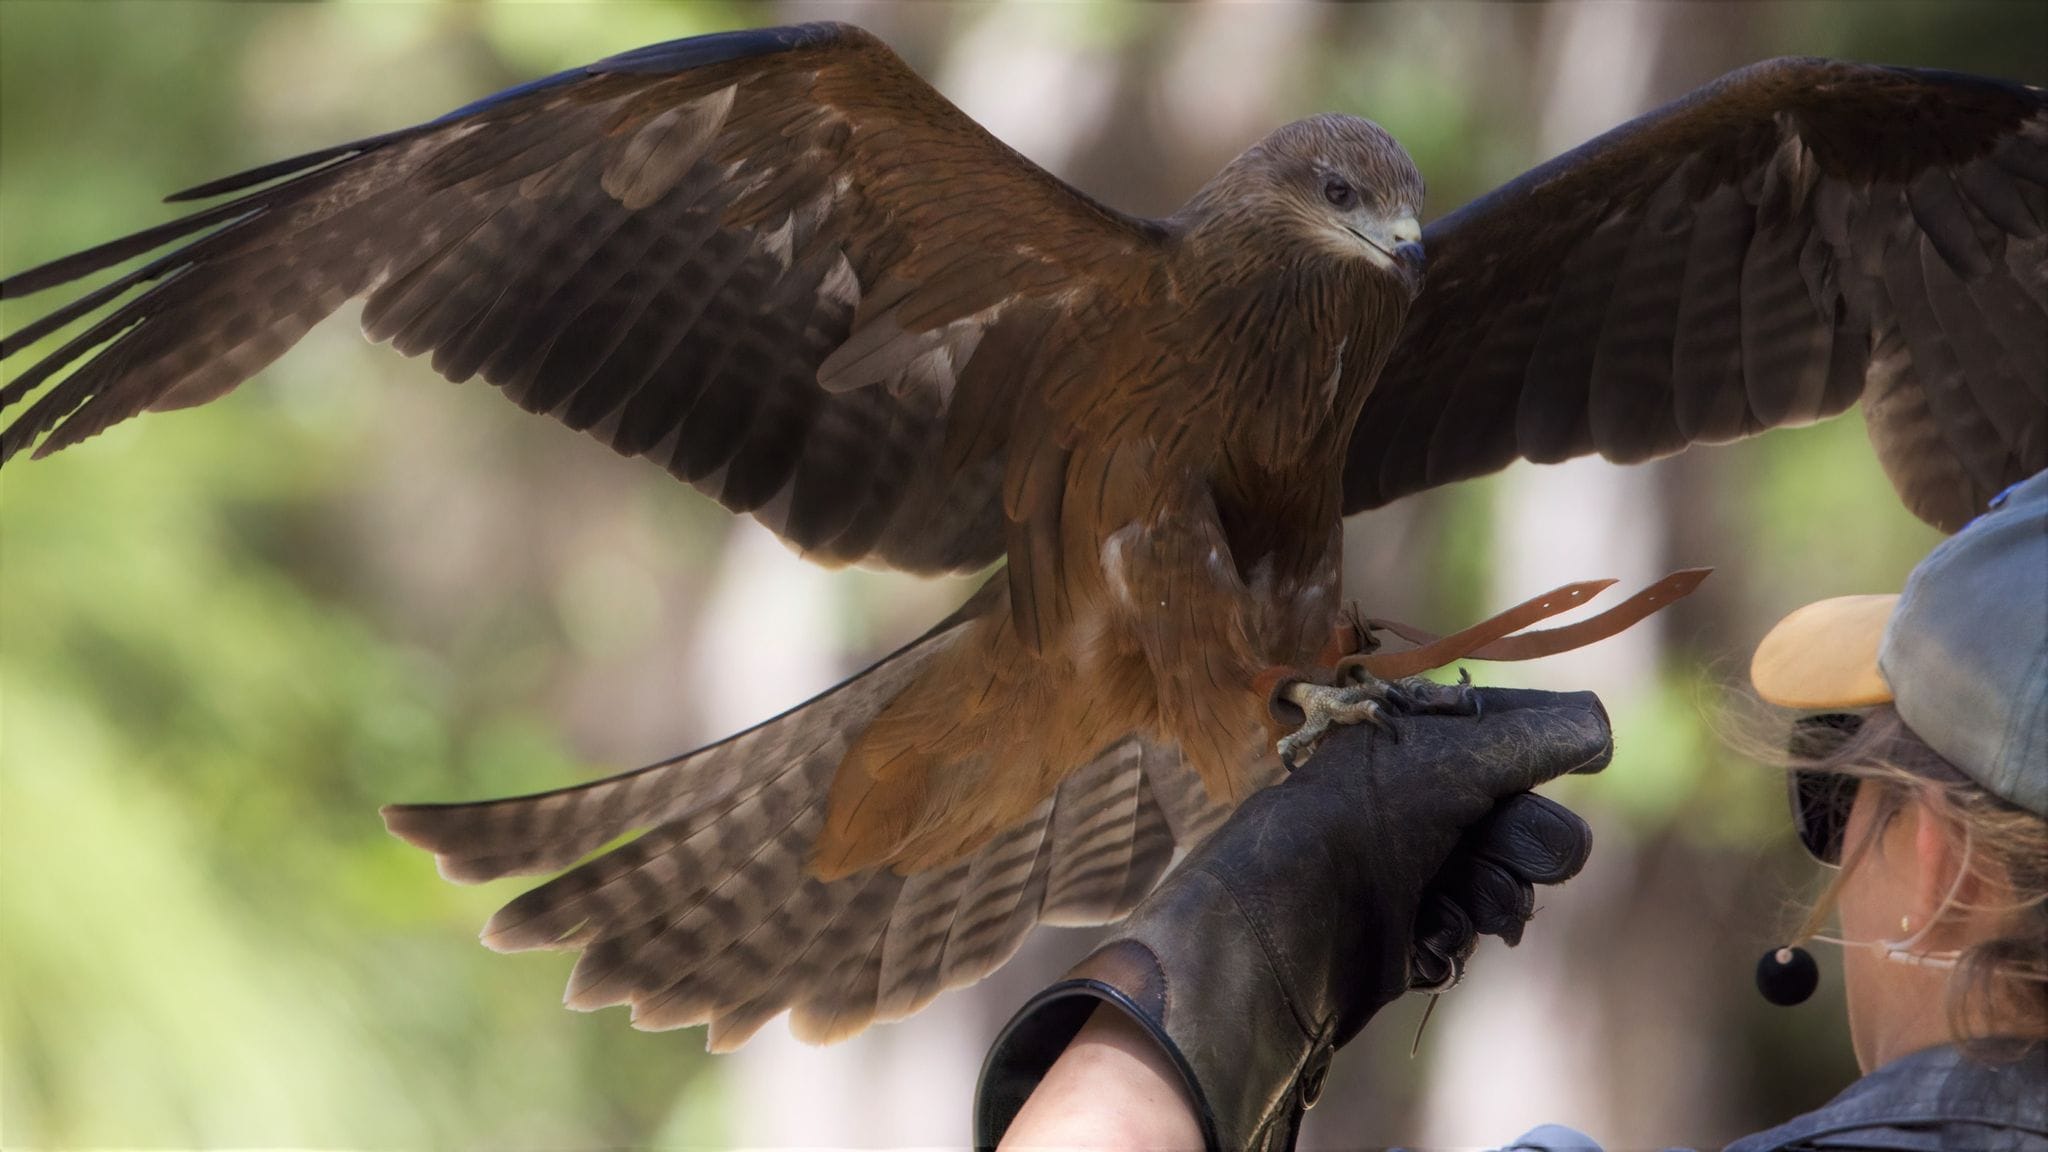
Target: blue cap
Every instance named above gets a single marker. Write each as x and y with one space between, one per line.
1962 653
1966 653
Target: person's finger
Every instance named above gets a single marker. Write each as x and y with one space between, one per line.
1444 939
1526 840
1494 701
1494 899
1534 837
1509 750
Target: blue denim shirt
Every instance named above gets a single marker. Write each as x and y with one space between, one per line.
1931 1101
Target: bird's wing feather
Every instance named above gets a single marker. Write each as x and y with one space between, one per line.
762 259
1760 253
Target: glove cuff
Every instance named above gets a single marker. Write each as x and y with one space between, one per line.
1034 1038
1246 1054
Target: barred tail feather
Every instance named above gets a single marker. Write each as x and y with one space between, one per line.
712 915
548 831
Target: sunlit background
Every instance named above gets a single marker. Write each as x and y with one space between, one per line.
228 635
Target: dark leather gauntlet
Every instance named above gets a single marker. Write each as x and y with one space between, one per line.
1368 871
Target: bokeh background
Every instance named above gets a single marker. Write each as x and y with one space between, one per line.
227 636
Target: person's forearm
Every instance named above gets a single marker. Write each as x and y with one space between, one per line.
1112 1087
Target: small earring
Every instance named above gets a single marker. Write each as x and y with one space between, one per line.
1905 923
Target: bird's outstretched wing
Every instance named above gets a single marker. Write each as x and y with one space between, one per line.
762 259
1762 252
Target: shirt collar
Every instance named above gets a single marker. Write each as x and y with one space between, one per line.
1922 1091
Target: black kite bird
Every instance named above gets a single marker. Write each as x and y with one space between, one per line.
784 267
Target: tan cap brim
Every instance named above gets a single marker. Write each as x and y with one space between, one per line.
1824 656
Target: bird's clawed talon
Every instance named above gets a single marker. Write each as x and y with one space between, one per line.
1323 705
1367 699
1414 695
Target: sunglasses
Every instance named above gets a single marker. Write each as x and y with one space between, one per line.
1821 800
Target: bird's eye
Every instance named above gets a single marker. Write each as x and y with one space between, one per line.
1338 193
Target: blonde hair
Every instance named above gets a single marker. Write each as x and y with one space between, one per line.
2002 978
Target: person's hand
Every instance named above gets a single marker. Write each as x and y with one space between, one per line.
1367 871
1450 804
1433 816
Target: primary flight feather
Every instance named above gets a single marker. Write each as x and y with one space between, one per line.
782 266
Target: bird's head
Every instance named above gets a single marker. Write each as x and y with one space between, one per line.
1337 184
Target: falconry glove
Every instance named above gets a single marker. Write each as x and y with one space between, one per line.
1366 873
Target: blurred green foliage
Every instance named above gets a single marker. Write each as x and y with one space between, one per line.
209 940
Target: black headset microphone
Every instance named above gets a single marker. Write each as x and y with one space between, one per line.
1787 976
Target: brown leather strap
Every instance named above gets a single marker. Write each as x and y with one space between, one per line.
1493 639
1436 651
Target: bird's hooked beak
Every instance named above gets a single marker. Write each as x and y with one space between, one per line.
1395 245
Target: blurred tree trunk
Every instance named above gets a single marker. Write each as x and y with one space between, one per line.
1533 1030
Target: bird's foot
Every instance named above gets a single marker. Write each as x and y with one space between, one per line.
1420 696
1323 705
1366 699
